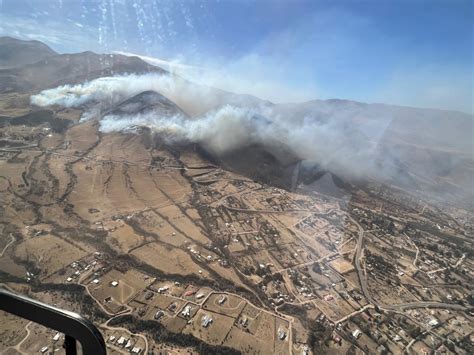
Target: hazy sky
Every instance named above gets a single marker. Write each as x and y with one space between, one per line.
408 52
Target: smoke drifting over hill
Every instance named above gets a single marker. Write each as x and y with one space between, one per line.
108 91
229 122
355 140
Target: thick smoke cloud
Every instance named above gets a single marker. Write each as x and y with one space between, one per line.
108 91
222 121
220 131
352 139
231 127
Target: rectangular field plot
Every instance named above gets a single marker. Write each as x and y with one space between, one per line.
225 304
115 289
210 327
341 265
247 343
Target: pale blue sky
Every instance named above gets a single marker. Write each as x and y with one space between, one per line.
407 52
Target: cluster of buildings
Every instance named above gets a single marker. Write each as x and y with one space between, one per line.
83 266
125 343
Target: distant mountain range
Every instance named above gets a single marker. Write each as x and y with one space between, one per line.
43 68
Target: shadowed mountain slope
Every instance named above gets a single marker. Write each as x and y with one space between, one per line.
16 53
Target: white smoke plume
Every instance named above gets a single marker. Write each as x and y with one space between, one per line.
193 99
349 138
220 131
230 127
221 121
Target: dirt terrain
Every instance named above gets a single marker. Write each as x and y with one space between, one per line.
161 245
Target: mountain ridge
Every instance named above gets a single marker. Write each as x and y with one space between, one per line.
16 52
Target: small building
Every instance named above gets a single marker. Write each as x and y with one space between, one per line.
206 320
159 314
281 334
163 289
112 338
56 337
186 311
44 349
329 298
95 281
114 283
121 341
222 299
129 344
356 333
433 322
397 338
136 350
279 301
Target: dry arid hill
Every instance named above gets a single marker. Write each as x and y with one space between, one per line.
147 102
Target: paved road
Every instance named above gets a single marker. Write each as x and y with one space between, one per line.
416 248
249 210
357 262
350 315
426 304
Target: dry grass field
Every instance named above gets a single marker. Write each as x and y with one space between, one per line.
129 284
168 259
174 324
232 306
123 237
247 343
12 330
43 250
342 266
